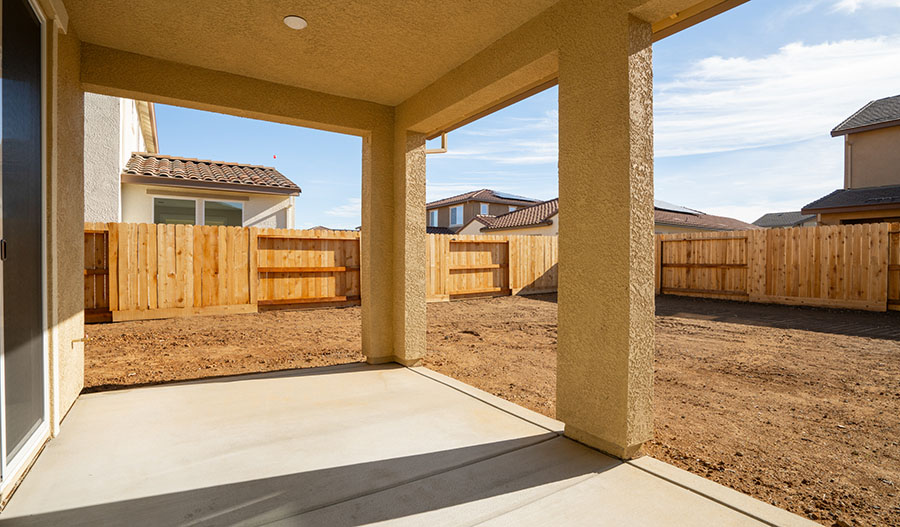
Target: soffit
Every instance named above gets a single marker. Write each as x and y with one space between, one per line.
377 50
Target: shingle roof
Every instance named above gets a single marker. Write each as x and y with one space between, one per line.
439 230
783 219
876 114
483 195
856 197
700 221
527 216
171 168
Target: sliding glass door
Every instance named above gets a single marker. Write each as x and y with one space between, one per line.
22 359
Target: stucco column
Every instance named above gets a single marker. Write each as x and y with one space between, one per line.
393 246
606 295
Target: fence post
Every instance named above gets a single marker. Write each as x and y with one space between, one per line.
253 274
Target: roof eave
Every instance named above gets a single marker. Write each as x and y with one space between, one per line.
207 185
868 128
529 226
851 208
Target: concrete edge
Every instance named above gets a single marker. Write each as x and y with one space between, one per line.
731 498
525 414
292 372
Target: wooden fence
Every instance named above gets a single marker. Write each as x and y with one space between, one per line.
848 266
141 271
465 265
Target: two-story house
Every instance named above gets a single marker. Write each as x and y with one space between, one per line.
449 215
871 192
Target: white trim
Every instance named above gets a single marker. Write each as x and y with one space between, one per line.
484 209
433 218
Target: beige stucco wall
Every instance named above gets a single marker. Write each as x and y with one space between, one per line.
260 210
67 236
872 159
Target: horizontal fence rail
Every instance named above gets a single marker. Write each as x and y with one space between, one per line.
143 271
847 266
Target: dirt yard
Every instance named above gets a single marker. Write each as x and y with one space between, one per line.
798 407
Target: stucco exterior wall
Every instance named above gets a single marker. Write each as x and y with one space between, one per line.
260 210
112 131
872 159
66 239
874 216
101 158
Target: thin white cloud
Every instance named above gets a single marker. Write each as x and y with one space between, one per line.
802 91
850 6
352 208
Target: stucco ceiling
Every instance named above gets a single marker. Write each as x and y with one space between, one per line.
377 50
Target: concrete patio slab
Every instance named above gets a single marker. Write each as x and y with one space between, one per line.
349 445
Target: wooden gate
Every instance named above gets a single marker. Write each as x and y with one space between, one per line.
96 273
708 265
478 267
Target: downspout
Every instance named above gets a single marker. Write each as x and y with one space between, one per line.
848 162
442 149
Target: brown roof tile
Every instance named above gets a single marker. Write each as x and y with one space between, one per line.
527 216
701 221
202 171
483 195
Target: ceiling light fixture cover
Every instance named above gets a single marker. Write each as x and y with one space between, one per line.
295 22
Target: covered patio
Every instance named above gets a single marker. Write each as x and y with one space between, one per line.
385 441
348 445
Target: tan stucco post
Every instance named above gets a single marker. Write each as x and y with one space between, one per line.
606 301
393 246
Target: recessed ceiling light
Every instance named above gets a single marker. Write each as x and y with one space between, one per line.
295 22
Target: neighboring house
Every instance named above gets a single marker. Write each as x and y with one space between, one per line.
871 190
455 212
127 180
543 219
166 189
775 220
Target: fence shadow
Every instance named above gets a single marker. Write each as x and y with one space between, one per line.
820 320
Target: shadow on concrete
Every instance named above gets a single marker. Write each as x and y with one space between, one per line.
820 320
331 496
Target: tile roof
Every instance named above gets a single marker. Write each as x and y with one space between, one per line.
182 169
875 114
856 197
700 220
537 214
783 219
483 195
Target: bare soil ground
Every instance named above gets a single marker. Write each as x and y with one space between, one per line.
798 407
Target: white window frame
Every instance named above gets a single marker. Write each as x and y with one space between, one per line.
485 209
199 208
432 218
459 216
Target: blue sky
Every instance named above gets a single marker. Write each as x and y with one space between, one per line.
743 108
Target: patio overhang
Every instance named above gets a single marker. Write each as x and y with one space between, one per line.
395 73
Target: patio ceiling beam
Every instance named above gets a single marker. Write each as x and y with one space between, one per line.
122 74
525 62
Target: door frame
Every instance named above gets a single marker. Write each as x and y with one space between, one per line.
11 468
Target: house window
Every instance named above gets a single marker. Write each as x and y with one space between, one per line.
456 215
432 218
512 208
226 213
174 211
484 209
